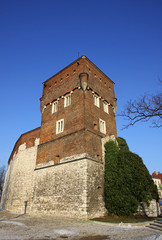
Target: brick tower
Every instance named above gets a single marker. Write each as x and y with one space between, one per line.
66 165
77 106
78 110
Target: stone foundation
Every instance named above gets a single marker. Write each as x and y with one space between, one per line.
72 188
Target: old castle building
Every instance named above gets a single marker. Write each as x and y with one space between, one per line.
58 168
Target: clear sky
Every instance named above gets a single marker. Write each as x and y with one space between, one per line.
40 37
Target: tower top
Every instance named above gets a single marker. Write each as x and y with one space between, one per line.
85 60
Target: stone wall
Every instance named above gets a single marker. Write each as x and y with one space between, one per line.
6 186
28 138
72 188
151 210
95 189
19 179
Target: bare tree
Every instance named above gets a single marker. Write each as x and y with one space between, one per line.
2 177
148 107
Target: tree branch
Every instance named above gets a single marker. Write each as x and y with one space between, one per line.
146 108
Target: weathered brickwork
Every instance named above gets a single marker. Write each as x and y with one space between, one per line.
63 174
72 143
27 138
82 80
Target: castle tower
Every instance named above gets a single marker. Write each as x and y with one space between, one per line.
78 114
78 111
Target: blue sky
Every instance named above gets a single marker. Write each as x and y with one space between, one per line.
40 37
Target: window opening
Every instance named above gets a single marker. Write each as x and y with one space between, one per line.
96 100
105 106
54 107
67 100
60 126
102 124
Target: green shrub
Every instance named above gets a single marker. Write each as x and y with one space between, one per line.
127 180
122 144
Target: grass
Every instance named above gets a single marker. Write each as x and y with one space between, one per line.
130 219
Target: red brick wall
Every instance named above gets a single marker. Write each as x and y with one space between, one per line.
73 116
61 147
93 114
81 119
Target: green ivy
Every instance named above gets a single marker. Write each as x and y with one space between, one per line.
127 180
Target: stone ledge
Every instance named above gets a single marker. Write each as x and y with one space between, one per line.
45 164
65 160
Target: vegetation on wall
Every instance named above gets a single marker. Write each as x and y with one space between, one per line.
127 180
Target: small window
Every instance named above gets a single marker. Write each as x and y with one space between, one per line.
105 106
95 126
67 100
60 126
96 100
102 124
54 107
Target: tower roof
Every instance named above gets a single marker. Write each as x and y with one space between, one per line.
77 61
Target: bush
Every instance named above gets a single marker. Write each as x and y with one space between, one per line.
127 180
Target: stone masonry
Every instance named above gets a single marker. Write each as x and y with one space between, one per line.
20 174
59 168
